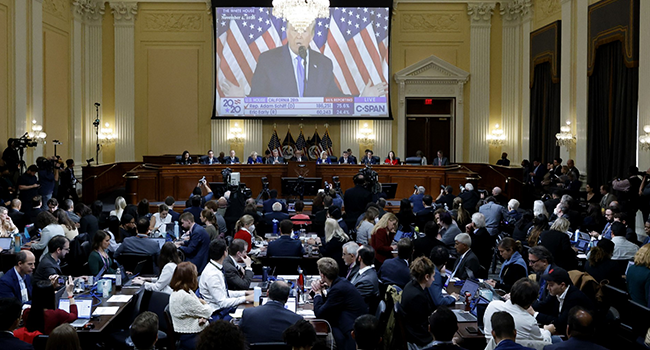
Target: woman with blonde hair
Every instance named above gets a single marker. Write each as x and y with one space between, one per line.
382 237
539 208
638 276
245 228
120 204
462 215
7 226
323 158
334 240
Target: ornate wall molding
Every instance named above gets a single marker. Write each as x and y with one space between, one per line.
548 8
58 8
430 22
124 12
513 11
173 22
481 13
89 10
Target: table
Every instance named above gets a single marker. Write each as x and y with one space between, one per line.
307 262
102 322
467 340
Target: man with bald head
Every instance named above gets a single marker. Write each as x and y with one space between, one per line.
17 216
17 282
580 330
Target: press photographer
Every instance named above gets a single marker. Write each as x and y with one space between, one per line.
48 176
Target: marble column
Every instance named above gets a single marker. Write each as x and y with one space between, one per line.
566 71
20 71
253 131
479 104
525 84
124 16
582 82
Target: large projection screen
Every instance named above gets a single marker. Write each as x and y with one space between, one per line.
337 68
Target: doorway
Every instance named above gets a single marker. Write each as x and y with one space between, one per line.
429 127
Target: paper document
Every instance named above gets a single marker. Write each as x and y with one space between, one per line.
106 310
239 312
80 322
306 313
119 298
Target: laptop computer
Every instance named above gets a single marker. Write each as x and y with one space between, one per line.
583 245
5 243
84 307
160 240
469 286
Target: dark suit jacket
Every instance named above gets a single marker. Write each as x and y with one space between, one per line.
574 344
18 217
437 161
351 160
271 160
46 268
196 211
268 205
228 160
196 248
539 174
423 246
285 246
267 322
482 244
470 261
10 288
395 271
417 305
233 276
370 161
367 283
343 305
355 201
559 244
206 160
508 344
352 273
470 198
549 308
278 215
302 159
137 245
8 341
344 226
274 75
551 204
175 215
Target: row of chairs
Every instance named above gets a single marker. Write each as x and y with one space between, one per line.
627 321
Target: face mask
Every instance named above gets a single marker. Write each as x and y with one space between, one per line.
251 228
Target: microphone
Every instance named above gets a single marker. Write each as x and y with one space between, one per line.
97 104
302 52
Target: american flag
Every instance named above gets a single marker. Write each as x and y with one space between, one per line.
274 143
288 144
326 143
315 146
355 39
300 142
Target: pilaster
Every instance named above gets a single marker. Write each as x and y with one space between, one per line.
253 131
36 102
20 60
349 130
220 135
566 71
77 102
525 84
479 105
643 157
582 82
124 15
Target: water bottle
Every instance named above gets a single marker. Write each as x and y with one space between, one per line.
26 235
275 226
446 207
176 229
118 277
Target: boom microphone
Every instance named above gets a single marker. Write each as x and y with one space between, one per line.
97 104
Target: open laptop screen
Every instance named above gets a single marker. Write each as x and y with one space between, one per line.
84 306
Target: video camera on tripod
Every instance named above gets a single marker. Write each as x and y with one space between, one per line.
23 142
371 179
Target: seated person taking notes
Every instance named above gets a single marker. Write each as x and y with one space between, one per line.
285 245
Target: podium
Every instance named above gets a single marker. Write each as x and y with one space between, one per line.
304 169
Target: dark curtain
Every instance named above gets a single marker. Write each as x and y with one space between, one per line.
611 115
544 114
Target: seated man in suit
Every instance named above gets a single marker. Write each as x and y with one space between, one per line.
68 206
396 270
298 157
285 245
440 160
580 330
232 159
342 305
11 310
273 198
17 216
366 332
17 282
238 277
541 262
346 159
369 159
196 247
335 213
275 158
504 332
443 327
210 159
562 296
366 280
350 250
448 228
276 214
466 259
170 201
427 206
139 244
49 266
195 209
267 322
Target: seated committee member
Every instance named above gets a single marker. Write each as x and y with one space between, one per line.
189 313
17 282
186 159
167 262
323 158
390 159
232 159
139 244
417 304
285 245
440 160
342 305
280 72
275 158
11 309
99 258
196 247
210 159
49 265
254 158
298 157
396 270
369 159
214 285
346 159
266 323
238 277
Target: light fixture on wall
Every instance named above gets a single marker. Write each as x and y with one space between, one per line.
496 137
645 138
366 135
236 134
565 137
106 135
301 13
37 133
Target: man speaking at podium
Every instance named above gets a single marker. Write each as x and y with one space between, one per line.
281 72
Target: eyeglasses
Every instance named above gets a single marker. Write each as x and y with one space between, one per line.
531 262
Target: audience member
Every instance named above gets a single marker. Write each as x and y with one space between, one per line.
623 249
120 205
606 197
494 213
300 336
366 332
285 245
601 266
364 229
170 201
18 217
266 323
49 267
356 199
417 304
267 205
350 250
580 330
7 227
238 277
470 198
334 240
37 208
540 224
195 207
139 244
189 313
195 247
299 218
88 223
50 228
396 270
513 268
64 337
557 241
17 282
448 229
208 218
69 227
406 216
446 197
276 214
167 262
335 213
342 305
28 186
99 258
245 228
467 260
540 261
443 327
10 309
416 199
44 315
482 241
504 332
221 335
144 331
459 213
638 277
439 257
159 220
366 280
423 245
426 214
381 238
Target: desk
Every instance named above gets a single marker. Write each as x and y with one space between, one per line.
102 322
467 340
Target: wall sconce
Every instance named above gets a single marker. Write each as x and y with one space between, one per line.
366 135
37 133
565 137
645 139
106 136
496 137
236 134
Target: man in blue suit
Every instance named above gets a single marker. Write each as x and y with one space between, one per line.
396 270
266 323
504 332
416 199
170 201
232 159
197 246
10 309
10 283
285 245
273 198
195 209
276 214
343 303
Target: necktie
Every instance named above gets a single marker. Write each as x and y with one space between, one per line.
542 286
347 277
300 73
456 267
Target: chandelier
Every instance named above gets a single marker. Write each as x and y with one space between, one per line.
236 134
565 137
106 136
37 133
365 135
496 137
645 139
301 13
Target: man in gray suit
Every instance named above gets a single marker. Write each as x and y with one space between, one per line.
350 250
238 278
275 158
494 214
366 280
448 229
440 160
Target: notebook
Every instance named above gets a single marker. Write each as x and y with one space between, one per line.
84 306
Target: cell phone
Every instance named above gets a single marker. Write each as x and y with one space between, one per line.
62 279
471 330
